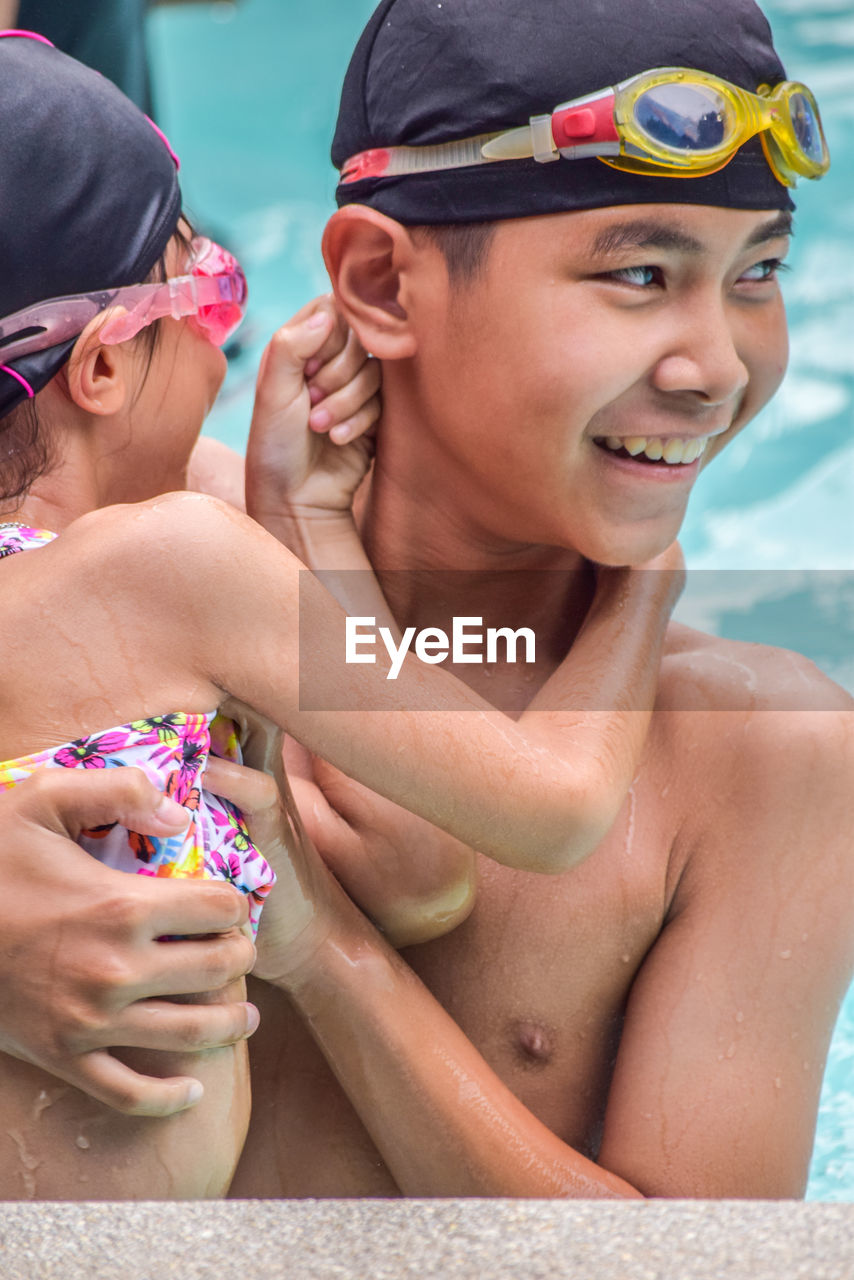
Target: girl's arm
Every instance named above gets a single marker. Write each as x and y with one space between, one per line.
307 457
310 447
301 484
239 615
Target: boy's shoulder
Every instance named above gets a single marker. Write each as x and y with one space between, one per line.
701 672
770 741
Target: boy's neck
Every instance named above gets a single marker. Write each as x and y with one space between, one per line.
423 526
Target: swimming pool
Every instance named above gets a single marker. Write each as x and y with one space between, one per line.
248 94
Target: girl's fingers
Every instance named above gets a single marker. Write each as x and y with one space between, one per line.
337 337
340 368
281 375
344 404
360 423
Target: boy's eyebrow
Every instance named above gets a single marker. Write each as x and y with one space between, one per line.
779 226
643 233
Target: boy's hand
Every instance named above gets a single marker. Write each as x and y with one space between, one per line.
84 965
305 905
316 401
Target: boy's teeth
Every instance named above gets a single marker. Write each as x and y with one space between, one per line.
655 448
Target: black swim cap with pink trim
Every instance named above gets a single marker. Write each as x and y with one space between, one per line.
426 72
89 194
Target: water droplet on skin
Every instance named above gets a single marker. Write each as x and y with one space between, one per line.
28 1161
786 955
625 957
81 1142
778 1083
46 1099
739 1017
730 1053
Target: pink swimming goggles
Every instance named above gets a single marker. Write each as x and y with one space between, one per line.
214 294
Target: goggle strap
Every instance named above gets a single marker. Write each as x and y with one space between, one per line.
448 155
62 318
395 162
542 140
533 139
57 319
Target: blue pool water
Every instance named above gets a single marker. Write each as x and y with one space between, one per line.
248 95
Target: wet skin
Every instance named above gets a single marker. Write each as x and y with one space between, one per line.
695 950
644 1005
141 601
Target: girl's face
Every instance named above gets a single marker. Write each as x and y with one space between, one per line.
176 386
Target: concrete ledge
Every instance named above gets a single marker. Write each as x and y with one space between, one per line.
388 1239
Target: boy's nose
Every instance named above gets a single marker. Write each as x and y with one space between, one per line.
703 358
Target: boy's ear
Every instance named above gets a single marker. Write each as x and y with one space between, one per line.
370 259
96 374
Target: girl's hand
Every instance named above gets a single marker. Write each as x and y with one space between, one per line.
316 402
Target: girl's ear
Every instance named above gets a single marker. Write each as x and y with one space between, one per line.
371 260
97 374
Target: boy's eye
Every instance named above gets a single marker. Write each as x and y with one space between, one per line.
642 277
768 269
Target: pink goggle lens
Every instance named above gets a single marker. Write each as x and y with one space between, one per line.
218 321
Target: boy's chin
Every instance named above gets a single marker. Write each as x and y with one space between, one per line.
632 549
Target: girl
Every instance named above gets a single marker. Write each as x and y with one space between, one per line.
124 634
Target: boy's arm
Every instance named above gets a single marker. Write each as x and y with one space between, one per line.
711 1095
717 1080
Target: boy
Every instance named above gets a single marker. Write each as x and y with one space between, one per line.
563 344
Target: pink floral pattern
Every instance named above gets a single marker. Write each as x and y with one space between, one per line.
172 750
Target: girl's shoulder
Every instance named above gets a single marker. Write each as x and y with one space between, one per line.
176 538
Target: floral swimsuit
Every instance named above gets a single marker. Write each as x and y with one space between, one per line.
172 750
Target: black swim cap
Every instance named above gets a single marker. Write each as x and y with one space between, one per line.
89 194
426 72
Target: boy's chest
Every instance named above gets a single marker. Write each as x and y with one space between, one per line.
537 978
539 975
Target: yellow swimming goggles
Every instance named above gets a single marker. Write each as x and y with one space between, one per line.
670 121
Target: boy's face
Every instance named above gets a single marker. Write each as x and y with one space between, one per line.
639 324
